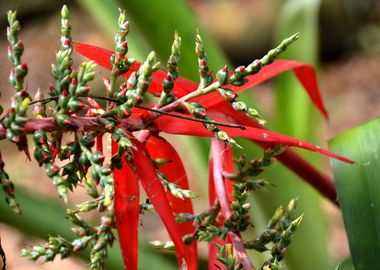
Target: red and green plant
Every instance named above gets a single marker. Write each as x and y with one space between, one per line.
149 102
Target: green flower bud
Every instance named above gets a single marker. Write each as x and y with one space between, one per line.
123 111
239 106
63 119
75 104
222 75
63 99
97 157
84 160
51 170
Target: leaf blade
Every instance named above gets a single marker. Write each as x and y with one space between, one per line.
358 190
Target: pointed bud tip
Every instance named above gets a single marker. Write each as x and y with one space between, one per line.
64 12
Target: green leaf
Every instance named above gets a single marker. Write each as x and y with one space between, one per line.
346 264
358 190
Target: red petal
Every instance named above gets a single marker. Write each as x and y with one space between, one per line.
217 148
213 263
102 56
179 126
321 182
304 72
158 147
220 154
99 55
157 195
127 204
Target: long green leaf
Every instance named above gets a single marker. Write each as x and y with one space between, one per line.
358 190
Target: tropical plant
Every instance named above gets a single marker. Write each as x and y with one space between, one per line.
151 101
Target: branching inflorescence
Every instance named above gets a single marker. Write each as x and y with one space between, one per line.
210 108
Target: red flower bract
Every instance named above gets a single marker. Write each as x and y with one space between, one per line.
156 147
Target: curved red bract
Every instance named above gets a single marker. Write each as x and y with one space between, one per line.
222 161
158 147
127 207
184 127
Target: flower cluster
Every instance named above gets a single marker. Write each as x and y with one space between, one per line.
210 108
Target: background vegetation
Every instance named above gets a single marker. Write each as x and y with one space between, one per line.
341 37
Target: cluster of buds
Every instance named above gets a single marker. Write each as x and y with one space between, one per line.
174 189
247 170
240 106
98 237
101 173
71 85
172 65
198 111
208 233
44 155
226 257
15 51
241 72
15 119
68 100
240 218
104 238
97 203
136 86
56 245
208 215
72 172
120 62
203 69
8 188
62 69
279 231
238 78
279 250
82 230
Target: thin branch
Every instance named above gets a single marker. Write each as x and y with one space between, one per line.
158 111
193 119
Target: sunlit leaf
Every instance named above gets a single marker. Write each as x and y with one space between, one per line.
358 190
